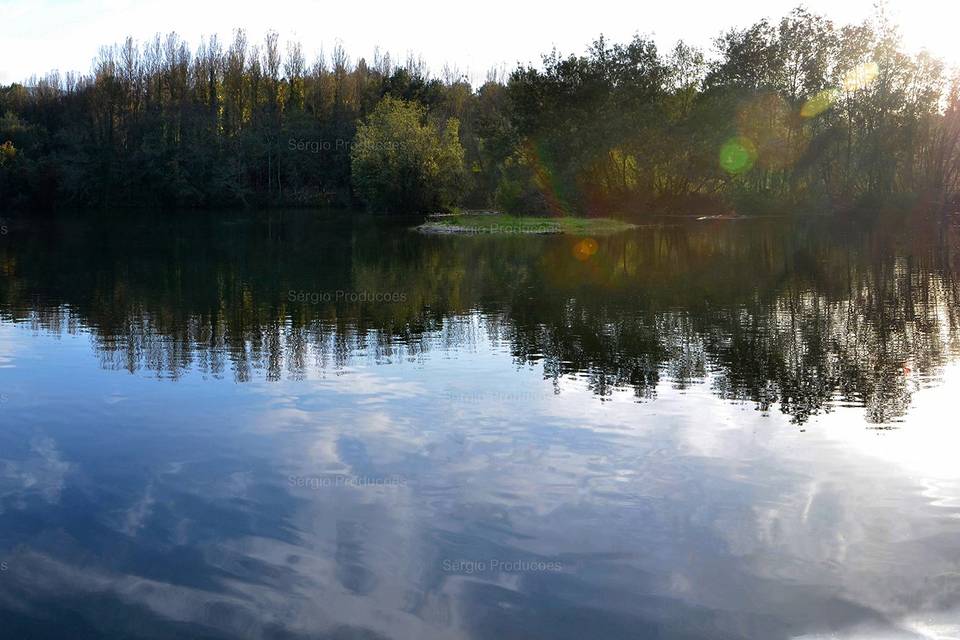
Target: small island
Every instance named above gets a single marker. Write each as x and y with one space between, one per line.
490 223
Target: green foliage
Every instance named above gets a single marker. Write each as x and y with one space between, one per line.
798 111
7 153
522 190
401 161
789 112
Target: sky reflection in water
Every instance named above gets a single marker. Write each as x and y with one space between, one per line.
525 449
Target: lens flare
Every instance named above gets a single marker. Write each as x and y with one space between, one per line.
765 124
584 249
861 76
738 155
819 103
856 79
536 159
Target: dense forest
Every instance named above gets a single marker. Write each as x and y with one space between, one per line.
800 115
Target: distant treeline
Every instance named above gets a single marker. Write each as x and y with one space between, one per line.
800 114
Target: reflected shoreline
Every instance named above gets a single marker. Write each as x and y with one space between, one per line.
779 313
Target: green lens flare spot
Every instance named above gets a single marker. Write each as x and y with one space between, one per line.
738 155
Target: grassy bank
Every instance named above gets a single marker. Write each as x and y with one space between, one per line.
487 224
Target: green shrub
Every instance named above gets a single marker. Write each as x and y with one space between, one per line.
402 162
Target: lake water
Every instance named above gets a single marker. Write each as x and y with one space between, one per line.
328 426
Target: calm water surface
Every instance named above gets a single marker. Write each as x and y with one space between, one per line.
324 426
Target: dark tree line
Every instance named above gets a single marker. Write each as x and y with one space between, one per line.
226 125
801 113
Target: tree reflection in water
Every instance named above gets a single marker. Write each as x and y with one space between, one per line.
795 316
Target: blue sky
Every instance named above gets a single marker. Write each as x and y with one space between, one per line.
40 35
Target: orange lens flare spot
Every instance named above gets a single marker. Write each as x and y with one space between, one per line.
585 248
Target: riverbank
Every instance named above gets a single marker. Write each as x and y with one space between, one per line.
500 224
